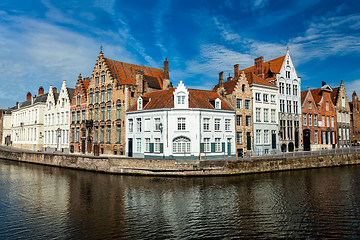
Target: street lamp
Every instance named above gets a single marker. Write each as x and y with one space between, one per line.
58 137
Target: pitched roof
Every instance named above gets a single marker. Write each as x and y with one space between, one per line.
334 94
71 92
303 96
197 99
41 98
252 78
274 65
317 94
125 73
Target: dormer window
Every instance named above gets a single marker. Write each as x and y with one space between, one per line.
217 103
140 104
181 96
181 100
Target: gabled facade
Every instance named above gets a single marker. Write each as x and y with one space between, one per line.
113 87
238 94
355 117
180 123
57 119
79 142
6 127
338 96
27 122
281 72
310 121
326 122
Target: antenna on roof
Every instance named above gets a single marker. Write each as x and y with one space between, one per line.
101 48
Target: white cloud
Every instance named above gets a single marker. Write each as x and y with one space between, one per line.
351 87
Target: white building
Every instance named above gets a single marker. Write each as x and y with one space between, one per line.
180 123
57 119
27 122
265 115
6 136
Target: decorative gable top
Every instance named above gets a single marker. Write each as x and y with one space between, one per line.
327 88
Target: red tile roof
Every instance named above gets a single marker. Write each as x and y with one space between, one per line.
125 73
317 94
334 94
197 99
303 96
274 65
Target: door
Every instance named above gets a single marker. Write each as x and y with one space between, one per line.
248 141
240 152
96 150
130 147
83 146
306 140
229 146
273 140
89 146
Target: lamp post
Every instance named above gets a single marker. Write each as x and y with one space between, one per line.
58 131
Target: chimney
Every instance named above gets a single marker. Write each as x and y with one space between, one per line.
28 96
221 79
323 83
308 88
41 91
139 78
259 66
17 104
236 71
229 77
54 90
166 77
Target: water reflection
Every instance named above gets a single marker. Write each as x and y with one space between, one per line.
45 202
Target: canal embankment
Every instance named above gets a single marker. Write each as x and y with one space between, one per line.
181 167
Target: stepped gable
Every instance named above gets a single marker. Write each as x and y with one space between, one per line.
197 99
125 73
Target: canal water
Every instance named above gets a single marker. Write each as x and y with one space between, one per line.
40 202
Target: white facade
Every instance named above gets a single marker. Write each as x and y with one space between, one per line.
57 120
27 124
6 128
181 131
289 105
265 118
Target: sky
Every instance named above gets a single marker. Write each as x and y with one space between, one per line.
45 42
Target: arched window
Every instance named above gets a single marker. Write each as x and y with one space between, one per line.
243 88
181 145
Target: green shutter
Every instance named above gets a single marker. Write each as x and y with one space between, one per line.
161 147
151 147
212 147
223 147
202 147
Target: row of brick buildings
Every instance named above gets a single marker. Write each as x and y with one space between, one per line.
272 114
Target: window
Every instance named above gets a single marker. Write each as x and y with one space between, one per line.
83 115
266 136
243 88
247 104
97 80
206 144
327 106
332 121
140 105
77 135
258 97
272 98
109 95
108 134
282 105
102 95
108 113
118 134
304 119
78 100
157 145
238 120
91 98
248 121
217 145
181 124
102 78
316 136
266 115
78 116
295 90
288 88
310 120
147 144
265 98
258 110
131 125
327 121
102 113
309 105
296 107
96 114
181 145
343 102
206 124
239 103
239 136
138 145
287 74
281 88
289 106
315 120
96 97
102 129
118 111
138 125
273 115
181 99
63 102
258 136
227 124
217 124
72 135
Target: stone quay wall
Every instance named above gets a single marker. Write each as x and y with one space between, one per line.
173 167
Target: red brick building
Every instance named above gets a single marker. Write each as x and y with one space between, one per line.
326 133
78 108
355 117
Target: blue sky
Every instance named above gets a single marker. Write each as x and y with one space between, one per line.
45 42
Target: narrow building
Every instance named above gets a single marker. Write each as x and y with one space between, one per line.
181 123
339 98
355 118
